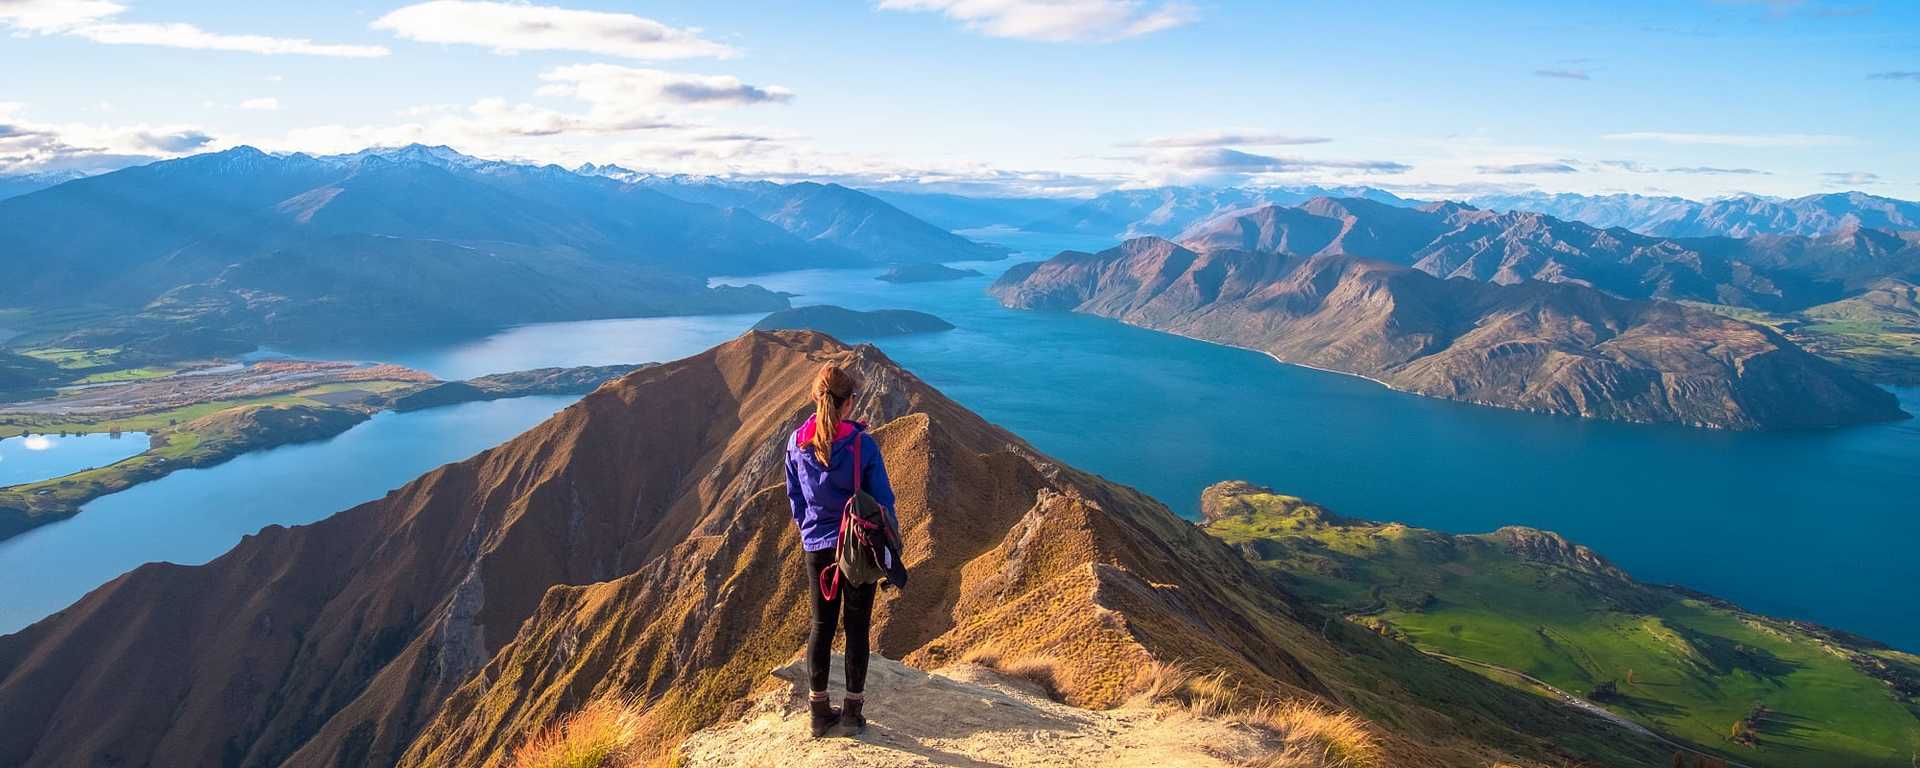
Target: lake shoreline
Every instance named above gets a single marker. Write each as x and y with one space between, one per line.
263 423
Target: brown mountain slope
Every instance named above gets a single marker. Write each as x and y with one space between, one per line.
1010 552
353 629
1537 346
444 623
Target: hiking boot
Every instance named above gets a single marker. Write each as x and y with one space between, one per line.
824 717
851 717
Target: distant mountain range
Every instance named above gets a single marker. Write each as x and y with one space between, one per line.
1736 216
240 245
1533 345
959 212
1167 211
17 184
1777 272
820 213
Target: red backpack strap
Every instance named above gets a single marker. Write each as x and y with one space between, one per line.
829 581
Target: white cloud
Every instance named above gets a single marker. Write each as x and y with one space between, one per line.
611 87
1221 159
263 104
1221 165
1709 170
28 146
50 16
189 36
1732 139
515 27
1522 169
617 100
1228 139
95 20
1056 21
1563 73
1852 178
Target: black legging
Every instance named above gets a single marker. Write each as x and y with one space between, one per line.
859 618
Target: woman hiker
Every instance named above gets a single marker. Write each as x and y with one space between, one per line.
821 478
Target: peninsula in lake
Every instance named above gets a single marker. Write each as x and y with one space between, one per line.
1550 347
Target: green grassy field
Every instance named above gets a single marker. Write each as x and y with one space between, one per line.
126 374
73 358
1880 343
1684 665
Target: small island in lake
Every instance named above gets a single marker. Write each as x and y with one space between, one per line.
847 323
577 380
924 273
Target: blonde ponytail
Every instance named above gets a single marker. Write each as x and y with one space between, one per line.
831 390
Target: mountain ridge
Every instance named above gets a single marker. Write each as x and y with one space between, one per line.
1453 240
1739 216
446 622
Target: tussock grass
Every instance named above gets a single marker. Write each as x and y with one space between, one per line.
1312 735
1177 686
1039 670
600 735
983 655
1159 681
1042 671
1305 733
1212 695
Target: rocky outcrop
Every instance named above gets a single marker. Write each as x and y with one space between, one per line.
1536 346
638 545
971 715
1549 548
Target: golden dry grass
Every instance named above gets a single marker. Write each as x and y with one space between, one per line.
1306 734
1042 671
1160 681
1174 685
1321 737
600 735
983 655
1039 670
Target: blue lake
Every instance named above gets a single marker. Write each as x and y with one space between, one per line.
29 458
193 515
1811 525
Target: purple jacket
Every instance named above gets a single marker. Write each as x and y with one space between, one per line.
819 494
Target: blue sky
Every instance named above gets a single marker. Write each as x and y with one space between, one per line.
1690 97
